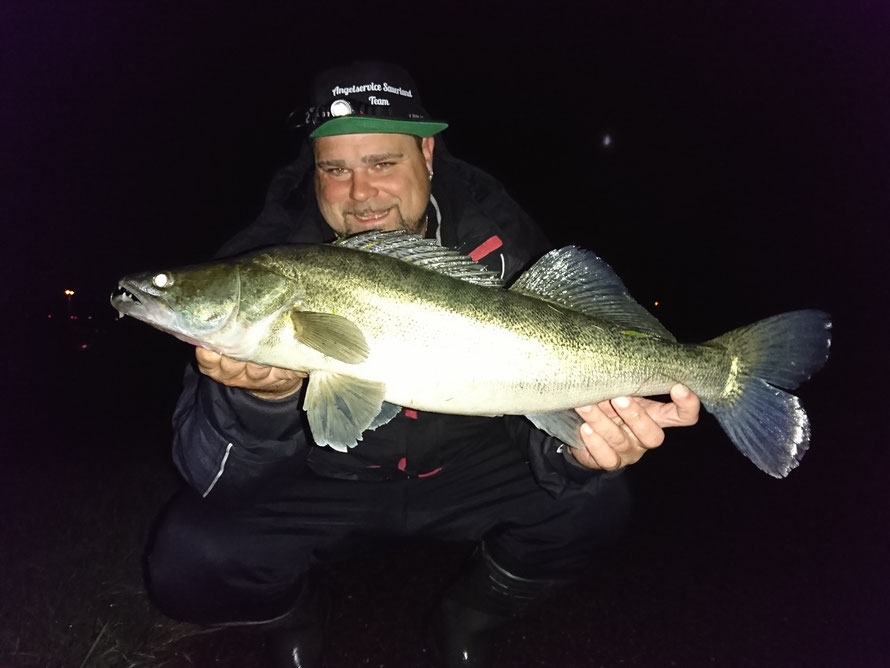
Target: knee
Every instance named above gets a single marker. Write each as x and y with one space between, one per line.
212 565
184 563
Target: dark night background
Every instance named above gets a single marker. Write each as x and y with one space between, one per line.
748 173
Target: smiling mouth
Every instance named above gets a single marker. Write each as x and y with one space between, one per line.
370 216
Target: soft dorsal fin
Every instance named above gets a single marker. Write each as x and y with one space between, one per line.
582 281
424 253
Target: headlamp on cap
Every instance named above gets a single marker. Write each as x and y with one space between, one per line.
367 98
339 108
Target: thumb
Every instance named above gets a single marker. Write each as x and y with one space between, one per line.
686 403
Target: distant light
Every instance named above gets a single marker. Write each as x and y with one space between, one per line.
69 293
72 317
49 315
655 303
607 140
84 346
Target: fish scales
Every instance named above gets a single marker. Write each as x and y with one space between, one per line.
387 318
431 333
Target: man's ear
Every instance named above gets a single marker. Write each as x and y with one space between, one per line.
427 145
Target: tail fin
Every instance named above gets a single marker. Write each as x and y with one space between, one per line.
768 425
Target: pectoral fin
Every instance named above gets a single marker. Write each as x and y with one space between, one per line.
340 408
331 335
563 425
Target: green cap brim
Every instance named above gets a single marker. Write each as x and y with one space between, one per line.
353 125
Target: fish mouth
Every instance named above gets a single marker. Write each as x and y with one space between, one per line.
137 302
133 299
126 299
138 298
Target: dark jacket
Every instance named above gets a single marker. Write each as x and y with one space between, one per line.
230 445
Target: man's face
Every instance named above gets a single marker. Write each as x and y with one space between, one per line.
373 182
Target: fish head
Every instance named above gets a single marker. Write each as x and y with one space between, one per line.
198 304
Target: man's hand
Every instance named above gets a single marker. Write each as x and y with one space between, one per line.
619 432
265 382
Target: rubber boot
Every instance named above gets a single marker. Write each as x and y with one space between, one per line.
464 629
296 639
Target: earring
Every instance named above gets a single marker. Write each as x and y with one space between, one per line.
431 175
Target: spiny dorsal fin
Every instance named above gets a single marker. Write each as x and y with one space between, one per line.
424 253
579 279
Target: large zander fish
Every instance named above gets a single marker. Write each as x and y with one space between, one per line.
385 320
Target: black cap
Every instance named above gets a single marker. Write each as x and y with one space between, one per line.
368 97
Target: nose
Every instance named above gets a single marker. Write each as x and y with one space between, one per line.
362 186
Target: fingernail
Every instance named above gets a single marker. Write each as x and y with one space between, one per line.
586 429
585 409
621 402
681 391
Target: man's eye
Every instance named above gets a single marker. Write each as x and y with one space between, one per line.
336 171
383 165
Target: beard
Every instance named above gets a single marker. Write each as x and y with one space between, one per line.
394 221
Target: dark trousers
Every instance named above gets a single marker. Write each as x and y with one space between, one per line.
210 564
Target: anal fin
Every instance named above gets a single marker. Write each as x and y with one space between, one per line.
563 425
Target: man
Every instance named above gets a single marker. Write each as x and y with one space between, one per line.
266 504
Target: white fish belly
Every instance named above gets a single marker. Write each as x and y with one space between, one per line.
438 361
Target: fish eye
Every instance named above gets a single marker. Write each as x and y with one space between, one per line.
162 280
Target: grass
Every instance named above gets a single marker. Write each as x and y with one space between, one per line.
85 476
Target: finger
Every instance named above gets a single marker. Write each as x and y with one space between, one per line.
606 442
229 368
600 417
597 453
207 359
257 372
284 376
645 431
610 429
606 408
687 405
288 375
